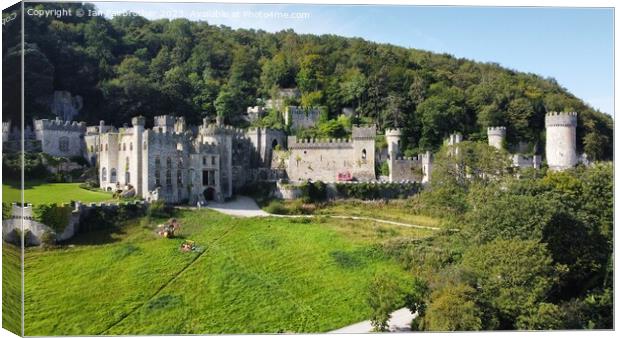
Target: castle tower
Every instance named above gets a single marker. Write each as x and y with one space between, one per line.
453 140
364 151
135 157
164 123
496 136
561 140
392 137
179 125
427 166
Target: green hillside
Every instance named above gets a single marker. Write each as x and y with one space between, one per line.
129 65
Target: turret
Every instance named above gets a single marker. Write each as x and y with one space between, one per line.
392 137
496 136
561 140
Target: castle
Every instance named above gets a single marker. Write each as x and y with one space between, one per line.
178 163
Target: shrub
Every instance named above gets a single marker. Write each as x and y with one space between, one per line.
48 239
276 207
313 191
158 209
53 215
371 191
7 210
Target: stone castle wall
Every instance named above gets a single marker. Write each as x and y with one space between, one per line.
60 138
333 160
298 117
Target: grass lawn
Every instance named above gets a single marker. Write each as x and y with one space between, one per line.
393 210
37 193
258 275
11 288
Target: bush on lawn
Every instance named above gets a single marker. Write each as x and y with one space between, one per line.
53 215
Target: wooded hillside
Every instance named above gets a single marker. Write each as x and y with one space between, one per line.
130 65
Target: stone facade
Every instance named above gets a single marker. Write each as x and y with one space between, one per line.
60 138
333 160
299 118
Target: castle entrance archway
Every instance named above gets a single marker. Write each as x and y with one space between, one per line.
209 194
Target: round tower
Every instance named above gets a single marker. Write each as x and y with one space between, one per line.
496 136
561 144
392 137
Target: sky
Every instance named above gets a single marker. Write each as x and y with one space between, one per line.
572 45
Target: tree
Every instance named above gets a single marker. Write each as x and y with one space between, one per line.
544 317
225 104
453 308
441 114
511 276
311 73
383 297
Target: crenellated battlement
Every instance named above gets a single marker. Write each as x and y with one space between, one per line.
367 132
454 138
397 132
294 143
559 119
59 125
499 131
213 129
164 121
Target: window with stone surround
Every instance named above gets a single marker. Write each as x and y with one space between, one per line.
113 175
63 144
104 175
179 178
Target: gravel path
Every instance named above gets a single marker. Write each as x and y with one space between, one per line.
241 206
400 321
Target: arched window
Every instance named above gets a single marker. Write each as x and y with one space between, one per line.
180 164
113 175
157 178
130 146
126 163
63 144
274 144
204 160
168 177
127 177
212 160
363 154
157 163
179 177
92 149
168 163
104 175
124 147
106 147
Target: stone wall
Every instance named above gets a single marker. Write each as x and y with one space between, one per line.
60 138
22 219
299 117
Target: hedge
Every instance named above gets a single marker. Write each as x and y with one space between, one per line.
369 191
